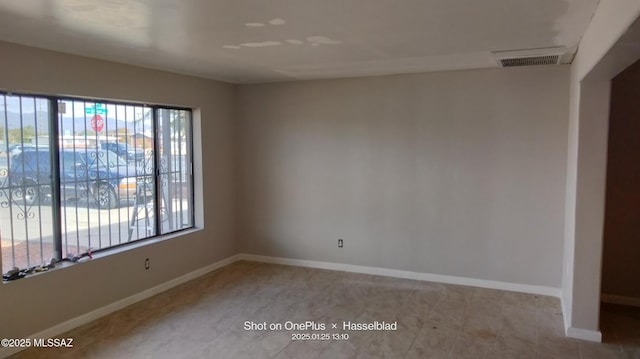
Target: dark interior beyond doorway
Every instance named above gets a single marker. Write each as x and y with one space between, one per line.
621 251
620 324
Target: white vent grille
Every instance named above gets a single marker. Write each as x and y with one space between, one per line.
533 57
530 61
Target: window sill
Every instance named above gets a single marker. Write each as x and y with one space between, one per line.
112 251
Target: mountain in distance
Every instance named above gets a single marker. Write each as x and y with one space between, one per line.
69 125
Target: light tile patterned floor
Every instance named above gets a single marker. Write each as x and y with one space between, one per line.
204 319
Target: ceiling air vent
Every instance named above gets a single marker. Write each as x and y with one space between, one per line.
530 61
531 57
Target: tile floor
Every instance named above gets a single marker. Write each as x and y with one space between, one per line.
205 319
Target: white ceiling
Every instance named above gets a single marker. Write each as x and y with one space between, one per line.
277 40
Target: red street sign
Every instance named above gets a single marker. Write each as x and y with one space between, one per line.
97 123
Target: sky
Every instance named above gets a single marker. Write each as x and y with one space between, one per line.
76 114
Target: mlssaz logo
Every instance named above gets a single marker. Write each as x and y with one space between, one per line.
53 343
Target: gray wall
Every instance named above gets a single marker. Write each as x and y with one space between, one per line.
34 304
454 173
604 51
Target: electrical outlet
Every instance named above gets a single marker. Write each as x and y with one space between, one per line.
340 243
147 265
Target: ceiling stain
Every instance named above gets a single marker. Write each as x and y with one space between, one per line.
322 40
277 21
311 40
260 44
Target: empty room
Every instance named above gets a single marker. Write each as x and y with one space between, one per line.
319 179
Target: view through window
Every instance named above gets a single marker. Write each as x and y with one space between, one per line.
78 176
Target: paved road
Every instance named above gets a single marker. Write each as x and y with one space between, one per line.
83 226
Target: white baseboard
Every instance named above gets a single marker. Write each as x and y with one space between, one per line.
584 334
577 333
566 314
620 299
439 278
482 283
594 335
115 306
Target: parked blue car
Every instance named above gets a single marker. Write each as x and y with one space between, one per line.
127 153
101 175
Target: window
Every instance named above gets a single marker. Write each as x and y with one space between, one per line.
80 176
